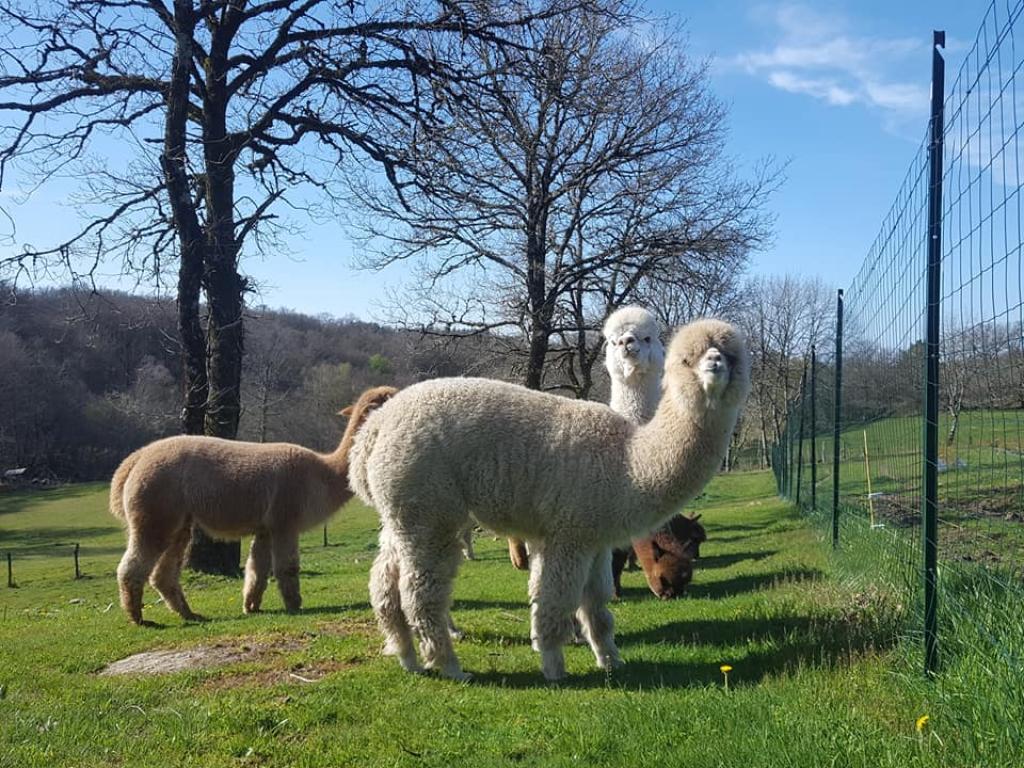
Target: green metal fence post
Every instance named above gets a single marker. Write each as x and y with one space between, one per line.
814 427
837 418
931 392
800 435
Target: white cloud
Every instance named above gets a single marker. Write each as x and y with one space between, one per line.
817 56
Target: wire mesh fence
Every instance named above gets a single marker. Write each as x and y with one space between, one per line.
879 431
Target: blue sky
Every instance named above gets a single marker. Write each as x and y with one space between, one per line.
839 90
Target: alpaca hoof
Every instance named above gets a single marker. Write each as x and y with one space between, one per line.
610 661
459 676
455 633
251 606
195 617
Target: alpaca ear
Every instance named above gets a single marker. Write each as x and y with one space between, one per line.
695 518
347 410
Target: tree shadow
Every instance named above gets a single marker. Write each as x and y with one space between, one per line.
40 540
724 561
751 583
21 500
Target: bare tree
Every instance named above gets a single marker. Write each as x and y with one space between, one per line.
587 160
191 123
784 316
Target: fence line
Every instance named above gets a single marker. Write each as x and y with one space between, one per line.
926 392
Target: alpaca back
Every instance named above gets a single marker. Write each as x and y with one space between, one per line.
231 488
520 461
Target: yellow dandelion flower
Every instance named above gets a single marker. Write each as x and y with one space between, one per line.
726 669
922 721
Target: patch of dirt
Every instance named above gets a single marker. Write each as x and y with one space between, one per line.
895 511
222 653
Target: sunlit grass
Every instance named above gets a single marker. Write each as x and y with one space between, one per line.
817 674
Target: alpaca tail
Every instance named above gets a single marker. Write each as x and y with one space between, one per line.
117 485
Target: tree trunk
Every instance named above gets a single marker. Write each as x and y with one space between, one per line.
173 161
224 289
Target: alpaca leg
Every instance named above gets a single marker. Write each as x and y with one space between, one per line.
284 548
467 542
593 613
619 558
133 570
428 571
386 599
557 575
166 577
518 555
257 571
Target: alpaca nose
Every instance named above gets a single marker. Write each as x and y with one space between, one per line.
628 342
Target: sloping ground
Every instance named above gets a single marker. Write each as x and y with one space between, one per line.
811 684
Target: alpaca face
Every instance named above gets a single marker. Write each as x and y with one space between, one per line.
712 355
634 350
713 370
670 573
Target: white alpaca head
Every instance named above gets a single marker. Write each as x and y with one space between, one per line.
634 348
712 356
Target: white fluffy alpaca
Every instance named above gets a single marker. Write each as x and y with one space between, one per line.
574 477
635 359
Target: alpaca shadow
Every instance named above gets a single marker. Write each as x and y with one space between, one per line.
724 561
483 605
751 583
332 609
718 632
799 645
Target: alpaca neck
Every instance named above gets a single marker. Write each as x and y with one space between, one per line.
636 400
672 457
337 460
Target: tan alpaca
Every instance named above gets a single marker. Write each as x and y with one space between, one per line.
571 476
231 489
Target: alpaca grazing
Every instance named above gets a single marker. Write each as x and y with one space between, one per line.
230 489
666 556
635 359
570 477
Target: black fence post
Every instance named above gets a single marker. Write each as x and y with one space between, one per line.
814 428
931 391
78 572
325 535
10 571
837 419
800 435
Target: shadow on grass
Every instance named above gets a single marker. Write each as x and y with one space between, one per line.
751 583
48 539
796 642
724 561
18 501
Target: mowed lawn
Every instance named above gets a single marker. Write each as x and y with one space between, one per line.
812 682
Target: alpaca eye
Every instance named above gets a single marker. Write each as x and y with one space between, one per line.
647 339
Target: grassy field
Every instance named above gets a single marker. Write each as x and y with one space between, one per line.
818 676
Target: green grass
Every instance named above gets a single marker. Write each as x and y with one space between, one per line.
818 677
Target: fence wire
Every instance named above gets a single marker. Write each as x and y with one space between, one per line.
981 394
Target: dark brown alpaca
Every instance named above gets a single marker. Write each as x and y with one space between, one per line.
666 556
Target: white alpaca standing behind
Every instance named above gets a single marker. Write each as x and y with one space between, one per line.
570 475
635 359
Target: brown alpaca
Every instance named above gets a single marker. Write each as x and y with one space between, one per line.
666 557
231 489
